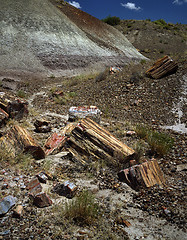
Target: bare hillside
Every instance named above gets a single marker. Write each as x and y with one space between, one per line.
37 37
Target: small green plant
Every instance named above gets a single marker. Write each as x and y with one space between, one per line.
143 61
5 155
159 143
141 131
52 76
112 20
24 161
21 94
139 148
47 165
83 209
60 100
161 22
72 94
53 90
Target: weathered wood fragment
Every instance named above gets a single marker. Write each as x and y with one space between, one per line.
146 174
162 67
19 140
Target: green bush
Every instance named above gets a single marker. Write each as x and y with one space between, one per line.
83 209
112 20
161 22
159 143
21 94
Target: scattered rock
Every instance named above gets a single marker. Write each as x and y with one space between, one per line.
66 189
18 211
42 200
6 204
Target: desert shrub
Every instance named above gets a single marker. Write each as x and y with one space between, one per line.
139 148
160 143
5 155
83 209
161 22
141 131
112 20
21 94
72 94
24 161
60 100
143 61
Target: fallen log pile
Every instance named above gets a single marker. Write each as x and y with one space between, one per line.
86 139
146 175
162 67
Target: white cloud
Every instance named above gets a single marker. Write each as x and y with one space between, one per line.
131 6
75 4
179 2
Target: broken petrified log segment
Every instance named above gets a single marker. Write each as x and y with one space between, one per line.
18 140
42 126
54 143
89 139
76 113
18 109
146 174
42 200
57 140
34 186
162 67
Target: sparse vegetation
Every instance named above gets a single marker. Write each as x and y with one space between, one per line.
60 100
159 143
112 20
143 61
83 209
161 22
21 94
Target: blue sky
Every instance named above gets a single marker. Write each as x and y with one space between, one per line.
170 10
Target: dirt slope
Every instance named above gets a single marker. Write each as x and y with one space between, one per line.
37 37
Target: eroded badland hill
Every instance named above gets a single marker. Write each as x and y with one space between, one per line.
148 115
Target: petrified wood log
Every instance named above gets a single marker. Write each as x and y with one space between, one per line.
146 174
18 140
89 139
162 67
